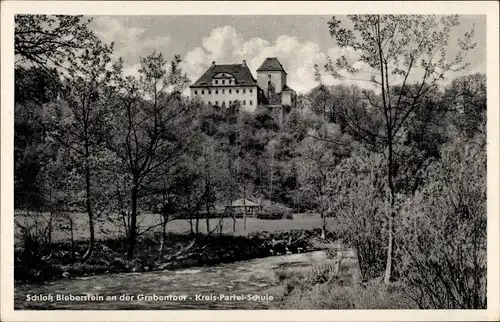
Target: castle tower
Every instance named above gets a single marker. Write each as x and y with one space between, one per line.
271 77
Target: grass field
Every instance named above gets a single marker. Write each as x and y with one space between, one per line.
114 227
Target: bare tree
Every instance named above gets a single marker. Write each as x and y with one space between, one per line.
48 41
151 129
397 49
77 121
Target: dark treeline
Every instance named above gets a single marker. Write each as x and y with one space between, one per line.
401 169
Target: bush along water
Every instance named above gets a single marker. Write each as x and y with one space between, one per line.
62 260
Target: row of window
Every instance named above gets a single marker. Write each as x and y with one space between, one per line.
244 102
223 81
223 91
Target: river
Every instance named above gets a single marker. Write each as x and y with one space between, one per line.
201 286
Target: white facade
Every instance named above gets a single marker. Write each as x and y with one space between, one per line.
223 95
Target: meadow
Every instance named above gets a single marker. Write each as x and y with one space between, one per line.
150 224
46 251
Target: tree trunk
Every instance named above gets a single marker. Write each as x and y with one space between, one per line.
132 241
208 211
390 243
190 215
322 202
197 223
72 236
88 205
49 229
323 228
163 233
244 211
271 179
208 223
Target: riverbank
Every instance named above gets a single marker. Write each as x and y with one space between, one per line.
337 285
58 260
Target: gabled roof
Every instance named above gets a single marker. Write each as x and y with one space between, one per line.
271 64
287 88
239 203
240 72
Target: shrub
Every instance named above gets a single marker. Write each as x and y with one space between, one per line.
321 288
333 297
358 202
442 232
36 237
275 211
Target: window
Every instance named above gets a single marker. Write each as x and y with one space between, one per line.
244 91
250 102
216 82
230 81
195 92
209 92
269 76
216 92
244 102
209 103
251 90
216 102
223 90
223 82
229 91
202 92
237 91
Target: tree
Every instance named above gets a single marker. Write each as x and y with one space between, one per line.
48 41
212 164
151 127
318 159
77 122
466 101
44 47
184 184
402 50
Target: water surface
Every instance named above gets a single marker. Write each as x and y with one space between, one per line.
256 277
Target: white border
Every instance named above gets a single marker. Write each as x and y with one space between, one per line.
9 8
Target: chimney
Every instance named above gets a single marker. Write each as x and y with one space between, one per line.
244 62
213 62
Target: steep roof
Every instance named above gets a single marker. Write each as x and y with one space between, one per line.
240 72
271 64
287 88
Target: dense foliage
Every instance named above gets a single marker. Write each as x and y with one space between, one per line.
401 171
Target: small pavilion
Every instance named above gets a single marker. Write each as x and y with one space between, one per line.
243 205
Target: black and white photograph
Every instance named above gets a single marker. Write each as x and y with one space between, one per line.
250 162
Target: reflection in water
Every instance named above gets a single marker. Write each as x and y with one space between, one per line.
203 287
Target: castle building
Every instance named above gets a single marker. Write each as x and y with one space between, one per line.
222 85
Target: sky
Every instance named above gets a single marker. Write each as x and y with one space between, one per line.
298 42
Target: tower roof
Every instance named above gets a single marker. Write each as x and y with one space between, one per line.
271 64
241 73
